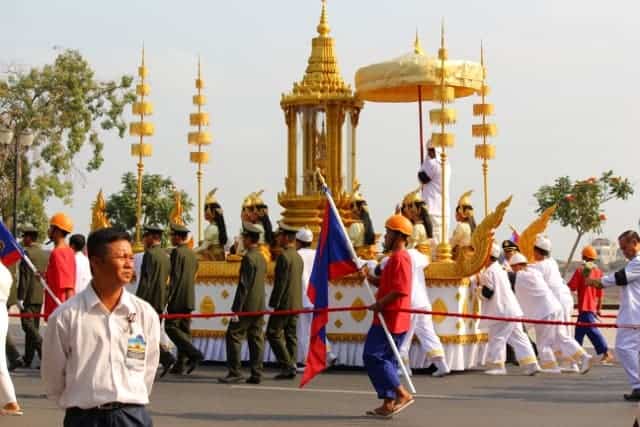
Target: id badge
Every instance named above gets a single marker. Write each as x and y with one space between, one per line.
136 348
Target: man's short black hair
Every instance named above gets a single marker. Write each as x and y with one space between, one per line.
77 242
630 234
304 244
32 234
99 239
542 252
253 237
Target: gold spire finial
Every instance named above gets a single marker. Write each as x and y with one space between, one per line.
142 64
323 26
417 47
442 34
481 53
199 67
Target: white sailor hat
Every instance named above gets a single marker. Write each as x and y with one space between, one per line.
518 258
543 242
304 235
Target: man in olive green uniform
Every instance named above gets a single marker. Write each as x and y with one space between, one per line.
249 297
154 280
286 295
30 293
184 266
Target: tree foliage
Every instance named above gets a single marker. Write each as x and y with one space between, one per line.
66 108
158 199
580 203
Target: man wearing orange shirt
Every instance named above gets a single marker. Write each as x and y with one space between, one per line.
394 293
61 270
589 303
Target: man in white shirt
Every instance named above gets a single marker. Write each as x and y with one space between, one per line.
101 348
83 269
304 238
537 302
499 300
627 339
430 175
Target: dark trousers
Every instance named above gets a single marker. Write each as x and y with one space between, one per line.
283 339
13 355
179 330
593 333
31 328
380 362
251 328
129 416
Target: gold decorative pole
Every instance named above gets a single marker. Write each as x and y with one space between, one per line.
484 151
443 116
200 137
141 150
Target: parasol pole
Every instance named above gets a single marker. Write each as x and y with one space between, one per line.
420 121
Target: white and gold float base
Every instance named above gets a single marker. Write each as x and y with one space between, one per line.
464 343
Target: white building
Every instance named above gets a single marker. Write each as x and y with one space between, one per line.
607 250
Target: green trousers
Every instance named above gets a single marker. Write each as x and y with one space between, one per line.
283 339
31 328
179 330
250 328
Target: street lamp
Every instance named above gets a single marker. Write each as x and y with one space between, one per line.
25 139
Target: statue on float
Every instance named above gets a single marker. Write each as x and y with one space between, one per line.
99 213
361 230
255 212
466 224
215 235
414 208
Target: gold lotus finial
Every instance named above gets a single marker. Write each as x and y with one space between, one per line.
198 67
442 34
417 47
323 26
142 54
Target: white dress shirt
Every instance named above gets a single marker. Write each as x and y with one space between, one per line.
629 283
550 271
308 255
432 191
503 302
419 295
535 298
92 357
83 272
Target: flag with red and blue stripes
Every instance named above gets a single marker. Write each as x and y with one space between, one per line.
335 258
10 251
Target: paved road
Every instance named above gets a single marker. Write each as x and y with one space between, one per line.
340 398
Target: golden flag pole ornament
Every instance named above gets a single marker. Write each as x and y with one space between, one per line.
200 137
141 149
484 151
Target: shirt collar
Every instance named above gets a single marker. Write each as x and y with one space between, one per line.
92 300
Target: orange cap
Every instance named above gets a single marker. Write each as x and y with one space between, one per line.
62 221
589 252
400 224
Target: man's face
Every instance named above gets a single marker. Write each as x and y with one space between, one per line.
629 247
246 241
389 238
252 215
431 152
176 239
518 267
27 239
508 253
51 232
116 265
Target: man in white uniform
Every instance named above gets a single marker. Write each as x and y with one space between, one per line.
83 269
431 350
500 301
430 175
548 267
627 340
304 237
537 302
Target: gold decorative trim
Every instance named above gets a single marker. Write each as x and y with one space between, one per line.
527 361
338 323
206 333
358 315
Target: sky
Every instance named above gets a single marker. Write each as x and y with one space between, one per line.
563 76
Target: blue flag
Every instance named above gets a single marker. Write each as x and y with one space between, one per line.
10 251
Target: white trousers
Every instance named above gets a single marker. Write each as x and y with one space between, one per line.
550 338
7 392
628 353
303 330
430 345
503 333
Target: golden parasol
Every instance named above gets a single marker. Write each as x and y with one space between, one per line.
415 77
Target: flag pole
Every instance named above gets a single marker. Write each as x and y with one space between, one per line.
355 258
42 282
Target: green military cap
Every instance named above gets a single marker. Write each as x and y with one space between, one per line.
28 228
286 228
153 228
177 228
250 228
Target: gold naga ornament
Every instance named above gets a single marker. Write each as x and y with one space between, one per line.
526 240
465 205
99 213
484 130
141 129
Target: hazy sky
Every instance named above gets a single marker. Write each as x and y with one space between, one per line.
564 77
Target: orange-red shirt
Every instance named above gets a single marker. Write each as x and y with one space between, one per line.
60 276
396 276
588 296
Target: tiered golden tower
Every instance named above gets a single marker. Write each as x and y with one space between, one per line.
484 151
199 138
321 113
141 149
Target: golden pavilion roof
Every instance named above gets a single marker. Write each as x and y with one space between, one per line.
322 80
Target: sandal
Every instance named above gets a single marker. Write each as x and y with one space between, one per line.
12 412
379 413
399 408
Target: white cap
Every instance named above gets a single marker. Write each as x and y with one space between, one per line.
518 258
496 250
304 235
543 242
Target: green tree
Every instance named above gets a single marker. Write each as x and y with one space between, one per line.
158 199
66 108
580 203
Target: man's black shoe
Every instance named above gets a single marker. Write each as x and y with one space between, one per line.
287 374
166 368
177 369
253 380
15 364
231 379
193 364
634 396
